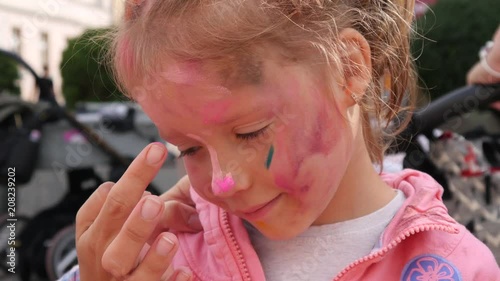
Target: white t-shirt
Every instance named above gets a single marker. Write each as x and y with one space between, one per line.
321 252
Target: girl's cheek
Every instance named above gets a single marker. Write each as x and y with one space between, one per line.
283 165
291 168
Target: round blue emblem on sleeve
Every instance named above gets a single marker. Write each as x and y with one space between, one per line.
430 268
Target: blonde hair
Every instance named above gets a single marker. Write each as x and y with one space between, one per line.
228 31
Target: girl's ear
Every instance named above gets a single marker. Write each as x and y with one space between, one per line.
357 67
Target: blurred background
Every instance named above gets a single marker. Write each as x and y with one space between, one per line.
63 125
66 127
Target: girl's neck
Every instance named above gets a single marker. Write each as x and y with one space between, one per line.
361 191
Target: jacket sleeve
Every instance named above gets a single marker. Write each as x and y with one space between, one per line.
72 275
474 259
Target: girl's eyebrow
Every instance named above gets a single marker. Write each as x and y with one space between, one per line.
240 115
232 118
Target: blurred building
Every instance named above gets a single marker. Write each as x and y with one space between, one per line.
38 30
118 9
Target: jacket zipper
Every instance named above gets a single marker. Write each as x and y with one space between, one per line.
393 244
242 265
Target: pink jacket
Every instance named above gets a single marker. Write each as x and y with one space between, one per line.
422 242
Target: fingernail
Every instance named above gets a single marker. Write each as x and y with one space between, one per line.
194 222
183 276
164 246
155 154
150 209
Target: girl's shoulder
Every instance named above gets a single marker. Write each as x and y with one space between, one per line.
456 256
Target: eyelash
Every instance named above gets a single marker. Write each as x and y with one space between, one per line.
249 136
252 135
189 151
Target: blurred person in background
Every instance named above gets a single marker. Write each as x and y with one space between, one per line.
487 69
46 88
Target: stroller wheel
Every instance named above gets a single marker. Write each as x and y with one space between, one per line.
36 239
61 254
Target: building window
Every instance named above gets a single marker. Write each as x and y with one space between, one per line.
16 40
44 48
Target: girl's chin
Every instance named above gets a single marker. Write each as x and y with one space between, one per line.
277 231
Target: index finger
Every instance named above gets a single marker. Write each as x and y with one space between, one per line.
128 190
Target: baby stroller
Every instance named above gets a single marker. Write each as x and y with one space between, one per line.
462 152
46 136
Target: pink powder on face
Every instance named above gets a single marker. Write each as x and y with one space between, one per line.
220 183
295 149
213 113
225 184
191 81
322 141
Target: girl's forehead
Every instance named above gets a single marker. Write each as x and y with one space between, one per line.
184 93
212 79
185 73
229 71
196 82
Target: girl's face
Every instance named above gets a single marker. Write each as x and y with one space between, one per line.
271 150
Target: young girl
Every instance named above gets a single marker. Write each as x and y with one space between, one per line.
278 110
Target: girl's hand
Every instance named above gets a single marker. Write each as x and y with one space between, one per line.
114 224
180 213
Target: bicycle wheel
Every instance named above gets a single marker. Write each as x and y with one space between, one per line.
61 253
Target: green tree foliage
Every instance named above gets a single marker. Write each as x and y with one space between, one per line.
454 31
9 74
85 75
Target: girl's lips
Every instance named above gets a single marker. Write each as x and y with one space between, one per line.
259 211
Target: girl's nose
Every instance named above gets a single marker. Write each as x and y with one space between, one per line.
228 176
222 183
225 182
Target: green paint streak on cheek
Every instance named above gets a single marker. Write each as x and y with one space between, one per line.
270 157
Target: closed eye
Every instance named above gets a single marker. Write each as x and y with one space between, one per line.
248 136
189 152
252 135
